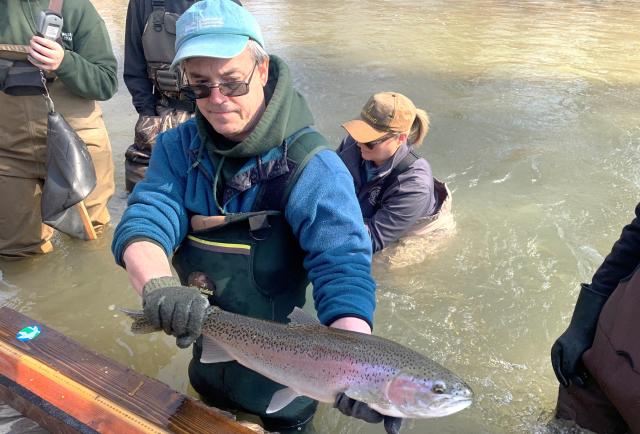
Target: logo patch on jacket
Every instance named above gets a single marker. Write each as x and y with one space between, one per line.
374 194
67 36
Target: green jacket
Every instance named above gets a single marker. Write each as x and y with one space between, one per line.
89 67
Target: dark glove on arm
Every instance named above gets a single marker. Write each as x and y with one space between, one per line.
360 410
177 309
566 352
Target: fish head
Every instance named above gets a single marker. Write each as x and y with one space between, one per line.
420 395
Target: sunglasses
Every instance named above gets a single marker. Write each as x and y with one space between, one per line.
372 144
229 88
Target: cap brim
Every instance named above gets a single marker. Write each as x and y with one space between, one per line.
223 46
361 131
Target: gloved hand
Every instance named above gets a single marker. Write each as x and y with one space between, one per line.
566 352
177 309
360 410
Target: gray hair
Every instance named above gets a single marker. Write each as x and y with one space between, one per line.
257 52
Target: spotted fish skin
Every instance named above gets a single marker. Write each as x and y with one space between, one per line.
320 362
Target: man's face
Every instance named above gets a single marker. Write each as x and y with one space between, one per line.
232 116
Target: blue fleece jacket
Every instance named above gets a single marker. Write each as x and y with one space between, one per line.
322 210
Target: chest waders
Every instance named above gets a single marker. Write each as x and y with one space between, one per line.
253 265
158 44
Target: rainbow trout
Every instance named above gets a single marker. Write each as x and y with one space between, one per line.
319 362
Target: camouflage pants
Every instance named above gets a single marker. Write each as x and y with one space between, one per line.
146 131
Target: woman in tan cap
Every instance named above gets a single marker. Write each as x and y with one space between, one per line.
397 192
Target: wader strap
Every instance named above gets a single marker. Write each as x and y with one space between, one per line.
298 149
56 6
402 167
299 153
158 14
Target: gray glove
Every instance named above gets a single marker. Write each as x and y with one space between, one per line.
177 309
360 410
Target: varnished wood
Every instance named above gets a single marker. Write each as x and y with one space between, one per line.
48 416
99 393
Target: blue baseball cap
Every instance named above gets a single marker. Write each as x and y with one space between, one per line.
214 28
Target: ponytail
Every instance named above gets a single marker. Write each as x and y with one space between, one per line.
419 128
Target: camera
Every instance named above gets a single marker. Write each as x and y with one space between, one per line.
49 25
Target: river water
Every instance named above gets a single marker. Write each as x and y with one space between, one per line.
534 109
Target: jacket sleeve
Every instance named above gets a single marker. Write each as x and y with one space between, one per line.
622 261
325 217
135 65
156 210
90 69
402 205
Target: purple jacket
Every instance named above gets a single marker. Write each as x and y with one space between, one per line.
391 213
623 260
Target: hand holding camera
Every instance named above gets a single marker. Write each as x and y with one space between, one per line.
44 50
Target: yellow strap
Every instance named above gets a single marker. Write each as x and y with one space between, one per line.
138 423
217 244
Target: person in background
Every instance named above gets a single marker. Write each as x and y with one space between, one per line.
150 35
79 68
242 197
397 192
596 359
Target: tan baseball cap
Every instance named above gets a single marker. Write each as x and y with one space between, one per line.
384 113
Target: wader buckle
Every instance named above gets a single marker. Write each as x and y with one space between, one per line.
259 227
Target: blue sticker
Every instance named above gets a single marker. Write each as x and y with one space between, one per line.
28 333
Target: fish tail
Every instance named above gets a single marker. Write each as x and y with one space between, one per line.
140 323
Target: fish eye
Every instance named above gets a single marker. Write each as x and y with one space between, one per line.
439 387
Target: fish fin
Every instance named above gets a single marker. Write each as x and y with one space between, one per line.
140 323
281 399
299 316
132 313
212 352
359 393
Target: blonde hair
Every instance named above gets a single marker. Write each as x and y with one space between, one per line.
419 128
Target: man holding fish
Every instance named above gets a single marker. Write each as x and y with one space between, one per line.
252 206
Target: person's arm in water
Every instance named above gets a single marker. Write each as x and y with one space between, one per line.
624 258
325 217
135 65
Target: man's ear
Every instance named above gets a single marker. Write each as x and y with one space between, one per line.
263 72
